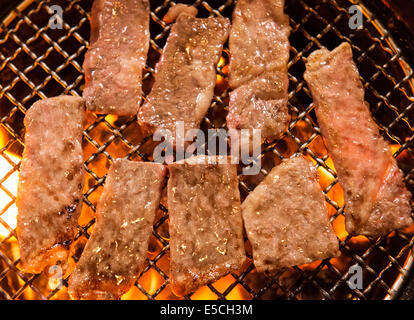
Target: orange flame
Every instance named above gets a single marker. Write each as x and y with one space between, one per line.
9 184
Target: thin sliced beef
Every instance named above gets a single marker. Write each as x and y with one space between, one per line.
118 246
286 218
49 196
178 9
376 200
185 76
206 228
259 48
116 56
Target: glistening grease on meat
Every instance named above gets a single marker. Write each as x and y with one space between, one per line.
185 76
259 48
118 246
116 56
286 218
206 227
49 195
376 200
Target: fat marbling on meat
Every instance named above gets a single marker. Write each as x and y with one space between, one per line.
185 76
116 57
286 218
206 228
117 248
49 195
259 46
376 200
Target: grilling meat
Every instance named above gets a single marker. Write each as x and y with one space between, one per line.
206 228
116 57
185 76
286 218
110 262
259 48
376 199
177 9
49 196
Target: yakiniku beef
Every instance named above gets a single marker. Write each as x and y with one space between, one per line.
286 218
116 57
49 196
259 46
376 200
185 76
206 228
177 9
118 246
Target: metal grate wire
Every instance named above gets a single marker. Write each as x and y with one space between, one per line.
37 62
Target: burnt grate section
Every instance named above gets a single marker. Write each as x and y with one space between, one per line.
38 62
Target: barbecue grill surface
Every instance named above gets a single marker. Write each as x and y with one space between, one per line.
38 62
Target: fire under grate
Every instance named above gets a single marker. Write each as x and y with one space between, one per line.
38 62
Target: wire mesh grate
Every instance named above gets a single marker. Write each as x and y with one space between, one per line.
38 62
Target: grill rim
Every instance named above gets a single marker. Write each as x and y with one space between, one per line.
136 149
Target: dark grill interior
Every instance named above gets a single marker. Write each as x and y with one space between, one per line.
38 62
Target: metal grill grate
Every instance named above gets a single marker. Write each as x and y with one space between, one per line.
38 62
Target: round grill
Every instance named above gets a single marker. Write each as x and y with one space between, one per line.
38 62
